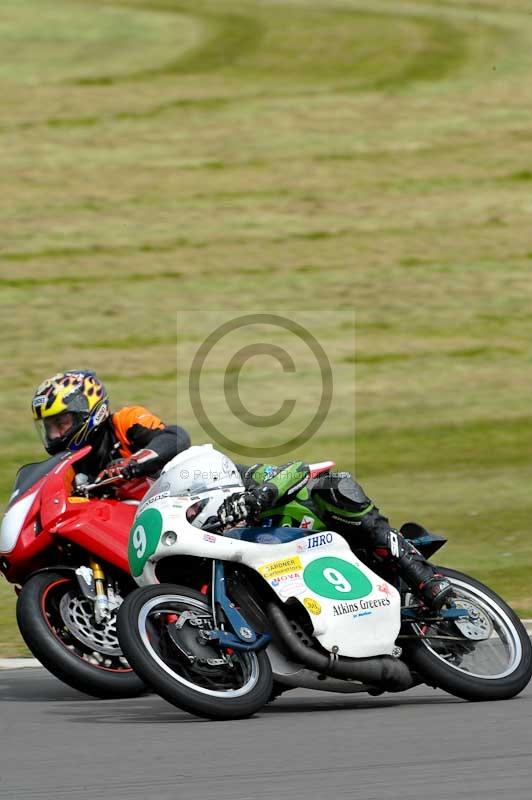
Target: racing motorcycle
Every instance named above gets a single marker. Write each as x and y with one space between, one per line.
226 618
66 553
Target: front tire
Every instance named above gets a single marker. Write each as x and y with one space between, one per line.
159 628
43 604
487 656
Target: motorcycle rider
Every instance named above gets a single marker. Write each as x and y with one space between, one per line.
71 410
334 501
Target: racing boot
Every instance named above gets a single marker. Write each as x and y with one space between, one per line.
436 591
346 508
433 588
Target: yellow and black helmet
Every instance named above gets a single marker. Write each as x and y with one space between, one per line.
67 408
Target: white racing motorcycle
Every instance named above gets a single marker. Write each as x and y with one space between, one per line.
227 619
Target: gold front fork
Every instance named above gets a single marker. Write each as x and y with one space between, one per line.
101 601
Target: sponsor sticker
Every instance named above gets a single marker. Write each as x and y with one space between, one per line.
306 522
288 585
318 540
208 537
100 415
362 608
312 605
282 567
285 579
78 499
155 499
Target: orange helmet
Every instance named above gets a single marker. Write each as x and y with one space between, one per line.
68 408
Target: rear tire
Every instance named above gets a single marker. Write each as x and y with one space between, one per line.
237 686
489 658
43 629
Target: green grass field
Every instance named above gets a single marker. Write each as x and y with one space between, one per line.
318 155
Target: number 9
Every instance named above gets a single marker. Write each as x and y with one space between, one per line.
139 541
336 579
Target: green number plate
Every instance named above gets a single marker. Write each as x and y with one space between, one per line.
336 579
143 539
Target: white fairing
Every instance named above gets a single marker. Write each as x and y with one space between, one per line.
354 611
362 614
13 522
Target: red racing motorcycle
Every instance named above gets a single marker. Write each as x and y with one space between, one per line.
66 553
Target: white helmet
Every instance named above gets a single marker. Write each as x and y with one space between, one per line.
203 471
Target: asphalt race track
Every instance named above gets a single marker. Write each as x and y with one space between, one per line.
423 744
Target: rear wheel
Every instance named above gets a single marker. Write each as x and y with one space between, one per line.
162 630
57 623
484 656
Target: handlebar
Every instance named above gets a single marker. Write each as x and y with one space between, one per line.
88 487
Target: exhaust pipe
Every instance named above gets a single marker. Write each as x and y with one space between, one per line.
382 671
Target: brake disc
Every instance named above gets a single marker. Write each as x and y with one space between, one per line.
78 616
477 625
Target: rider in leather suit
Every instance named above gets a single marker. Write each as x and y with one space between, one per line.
335 501
71 410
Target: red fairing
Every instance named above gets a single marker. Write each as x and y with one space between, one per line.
134 489
32 541
100 527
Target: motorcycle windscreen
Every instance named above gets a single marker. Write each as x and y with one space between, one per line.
30 474
354 612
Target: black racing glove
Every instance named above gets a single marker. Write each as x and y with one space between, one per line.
238 507
247 505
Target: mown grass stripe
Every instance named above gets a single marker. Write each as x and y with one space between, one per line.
465 352
78 280
229 36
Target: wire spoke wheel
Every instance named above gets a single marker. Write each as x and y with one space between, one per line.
485 644
484 655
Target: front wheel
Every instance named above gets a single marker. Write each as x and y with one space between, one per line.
57 623
486 655
162 632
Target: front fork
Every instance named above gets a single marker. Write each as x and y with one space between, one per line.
243 636
101 601
92 583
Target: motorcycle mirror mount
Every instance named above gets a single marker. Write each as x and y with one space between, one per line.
80 480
